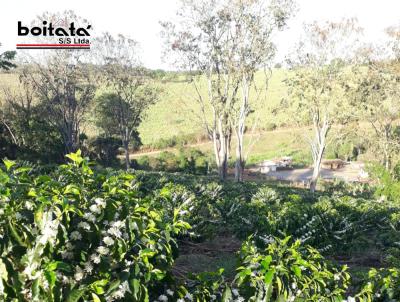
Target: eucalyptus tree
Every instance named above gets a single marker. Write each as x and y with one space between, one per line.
131 88
225 43
377 94
318 83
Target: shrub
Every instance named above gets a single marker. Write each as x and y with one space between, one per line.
189 161
81 235
382 285
288 271
105 150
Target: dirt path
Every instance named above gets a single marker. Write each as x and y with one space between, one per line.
349 173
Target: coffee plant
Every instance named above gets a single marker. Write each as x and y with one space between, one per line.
78 234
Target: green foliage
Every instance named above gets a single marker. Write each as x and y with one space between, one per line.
388 186
105 150
180 139
288 271
383 286
190 161
78 234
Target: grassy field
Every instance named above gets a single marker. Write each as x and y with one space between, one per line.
175 114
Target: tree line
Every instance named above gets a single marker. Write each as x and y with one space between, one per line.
333 78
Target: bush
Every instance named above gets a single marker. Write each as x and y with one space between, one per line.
81 235
105 150
178 140
382 285
190 161
288 271
387 186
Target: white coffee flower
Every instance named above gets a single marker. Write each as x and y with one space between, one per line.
114 232
95 258
108 240
78 273
67 255
100 202
75 235
88 267
102 250
84 225
163 298
118 224
170 292
95 208
90 217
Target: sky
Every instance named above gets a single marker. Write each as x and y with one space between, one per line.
140 20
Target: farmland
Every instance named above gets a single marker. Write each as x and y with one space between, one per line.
230 176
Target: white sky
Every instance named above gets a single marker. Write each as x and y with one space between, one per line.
140 19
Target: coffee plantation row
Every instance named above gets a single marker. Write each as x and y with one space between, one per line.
82 233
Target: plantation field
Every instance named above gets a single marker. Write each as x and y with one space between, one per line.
78 232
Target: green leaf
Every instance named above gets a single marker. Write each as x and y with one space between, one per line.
113 286
75 157
269 276
74 295
71 189
51 278
227 296
14 233
98 286
136 287
35 290
95 298
296 270
9 164
266 262
3 271
147 253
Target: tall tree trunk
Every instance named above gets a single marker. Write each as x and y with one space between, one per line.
126 148
221 141
318 145
240 162
240 127
316 169
125 140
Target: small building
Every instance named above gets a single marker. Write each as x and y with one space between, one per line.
274 164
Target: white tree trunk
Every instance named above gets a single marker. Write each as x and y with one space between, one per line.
316 169
241 124
318 145
125 142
